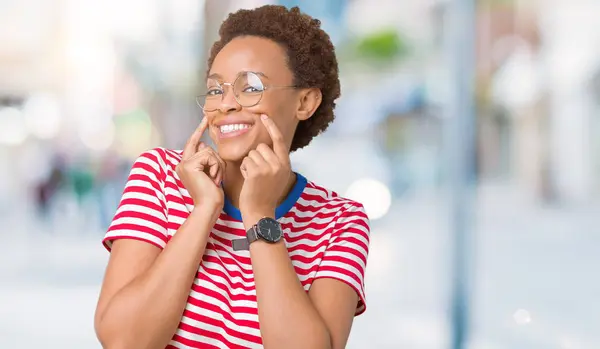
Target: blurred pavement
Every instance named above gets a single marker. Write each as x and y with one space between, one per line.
534 283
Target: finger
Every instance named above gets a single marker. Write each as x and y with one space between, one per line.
193 142
204 159
268 154
258 159
216 165
212 163
248 167
279 146
221 172
214 168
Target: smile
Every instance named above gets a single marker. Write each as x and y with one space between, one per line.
233 130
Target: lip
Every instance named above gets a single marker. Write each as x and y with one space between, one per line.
232 120
229 121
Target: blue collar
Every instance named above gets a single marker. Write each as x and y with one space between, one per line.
282 209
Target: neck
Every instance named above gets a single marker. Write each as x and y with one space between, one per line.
234 180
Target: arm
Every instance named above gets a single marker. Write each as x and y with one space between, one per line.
291 318
288 319
145 290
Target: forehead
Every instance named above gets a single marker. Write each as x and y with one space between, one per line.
251 53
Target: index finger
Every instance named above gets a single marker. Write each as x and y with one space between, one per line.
192 144
279 147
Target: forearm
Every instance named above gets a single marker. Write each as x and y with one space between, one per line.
287 316
146 312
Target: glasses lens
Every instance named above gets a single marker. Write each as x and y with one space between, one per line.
211 99
248 89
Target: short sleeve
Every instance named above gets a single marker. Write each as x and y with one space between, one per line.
141 214
345 258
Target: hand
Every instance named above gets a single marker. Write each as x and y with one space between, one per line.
201 170
266 174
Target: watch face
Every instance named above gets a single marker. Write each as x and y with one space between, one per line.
269 229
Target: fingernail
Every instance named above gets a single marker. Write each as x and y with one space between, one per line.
264 116
202 145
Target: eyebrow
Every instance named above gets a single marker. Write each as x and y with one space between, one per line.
218 76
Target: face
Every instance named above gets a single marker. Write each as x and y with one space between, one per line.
283 105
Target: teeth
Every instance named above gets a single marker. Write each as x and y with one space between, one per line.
233 127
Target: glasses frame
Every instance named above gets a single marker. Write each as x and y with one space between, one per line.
231 84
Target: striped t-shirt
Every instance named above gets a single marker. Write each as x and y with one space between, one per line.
327 236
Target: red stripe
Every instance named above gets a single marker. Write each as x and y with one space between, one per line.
144 217
194 344
317 206
146 179
239 262
338 270
112 239
138 229
148 168
205 333
219 323
342 228
345 260
226 300
141 203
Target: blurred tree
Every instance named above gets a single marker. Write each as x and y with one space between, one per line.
385 45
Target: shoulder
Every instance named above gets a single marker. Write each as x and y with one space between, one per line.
162 160
328 200
321 194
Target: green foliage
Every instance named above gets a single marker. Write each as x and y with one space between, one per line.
385 45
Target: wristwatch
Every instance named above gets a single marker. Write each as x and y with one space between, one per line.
266 229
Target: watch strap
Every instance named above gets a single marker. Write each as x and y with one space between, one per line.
252 234
244 243
240 244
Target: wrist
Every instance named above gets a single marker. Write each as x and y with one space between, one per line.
210 211
250 218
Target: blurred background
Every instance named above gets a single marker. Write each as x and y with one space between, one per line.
86 86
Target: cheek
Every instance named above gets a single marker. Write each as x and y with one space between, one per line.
212 133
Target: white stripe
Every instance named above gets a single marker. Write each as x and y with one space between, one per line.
197 338
232 279
351 269
223 306
319 206
142 196
307 242
149 162
141 222
141 209
316 192
353 224
303 225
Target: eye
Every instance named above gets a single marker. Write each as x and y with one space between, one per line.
252 89
214 92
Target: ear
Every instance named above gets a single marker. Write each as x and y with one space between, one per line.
309 100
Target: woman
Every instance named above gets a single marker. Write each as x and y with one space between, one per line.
229 248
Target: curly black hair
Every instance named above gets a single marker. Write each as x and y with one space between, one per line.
310 53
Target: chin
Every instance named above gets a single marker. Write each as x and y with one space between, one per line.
235 146
234 152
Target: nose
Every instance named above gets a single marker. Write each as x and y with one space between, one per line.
228 102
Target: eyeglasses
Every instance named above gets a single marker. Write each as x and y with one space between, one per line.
248 90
